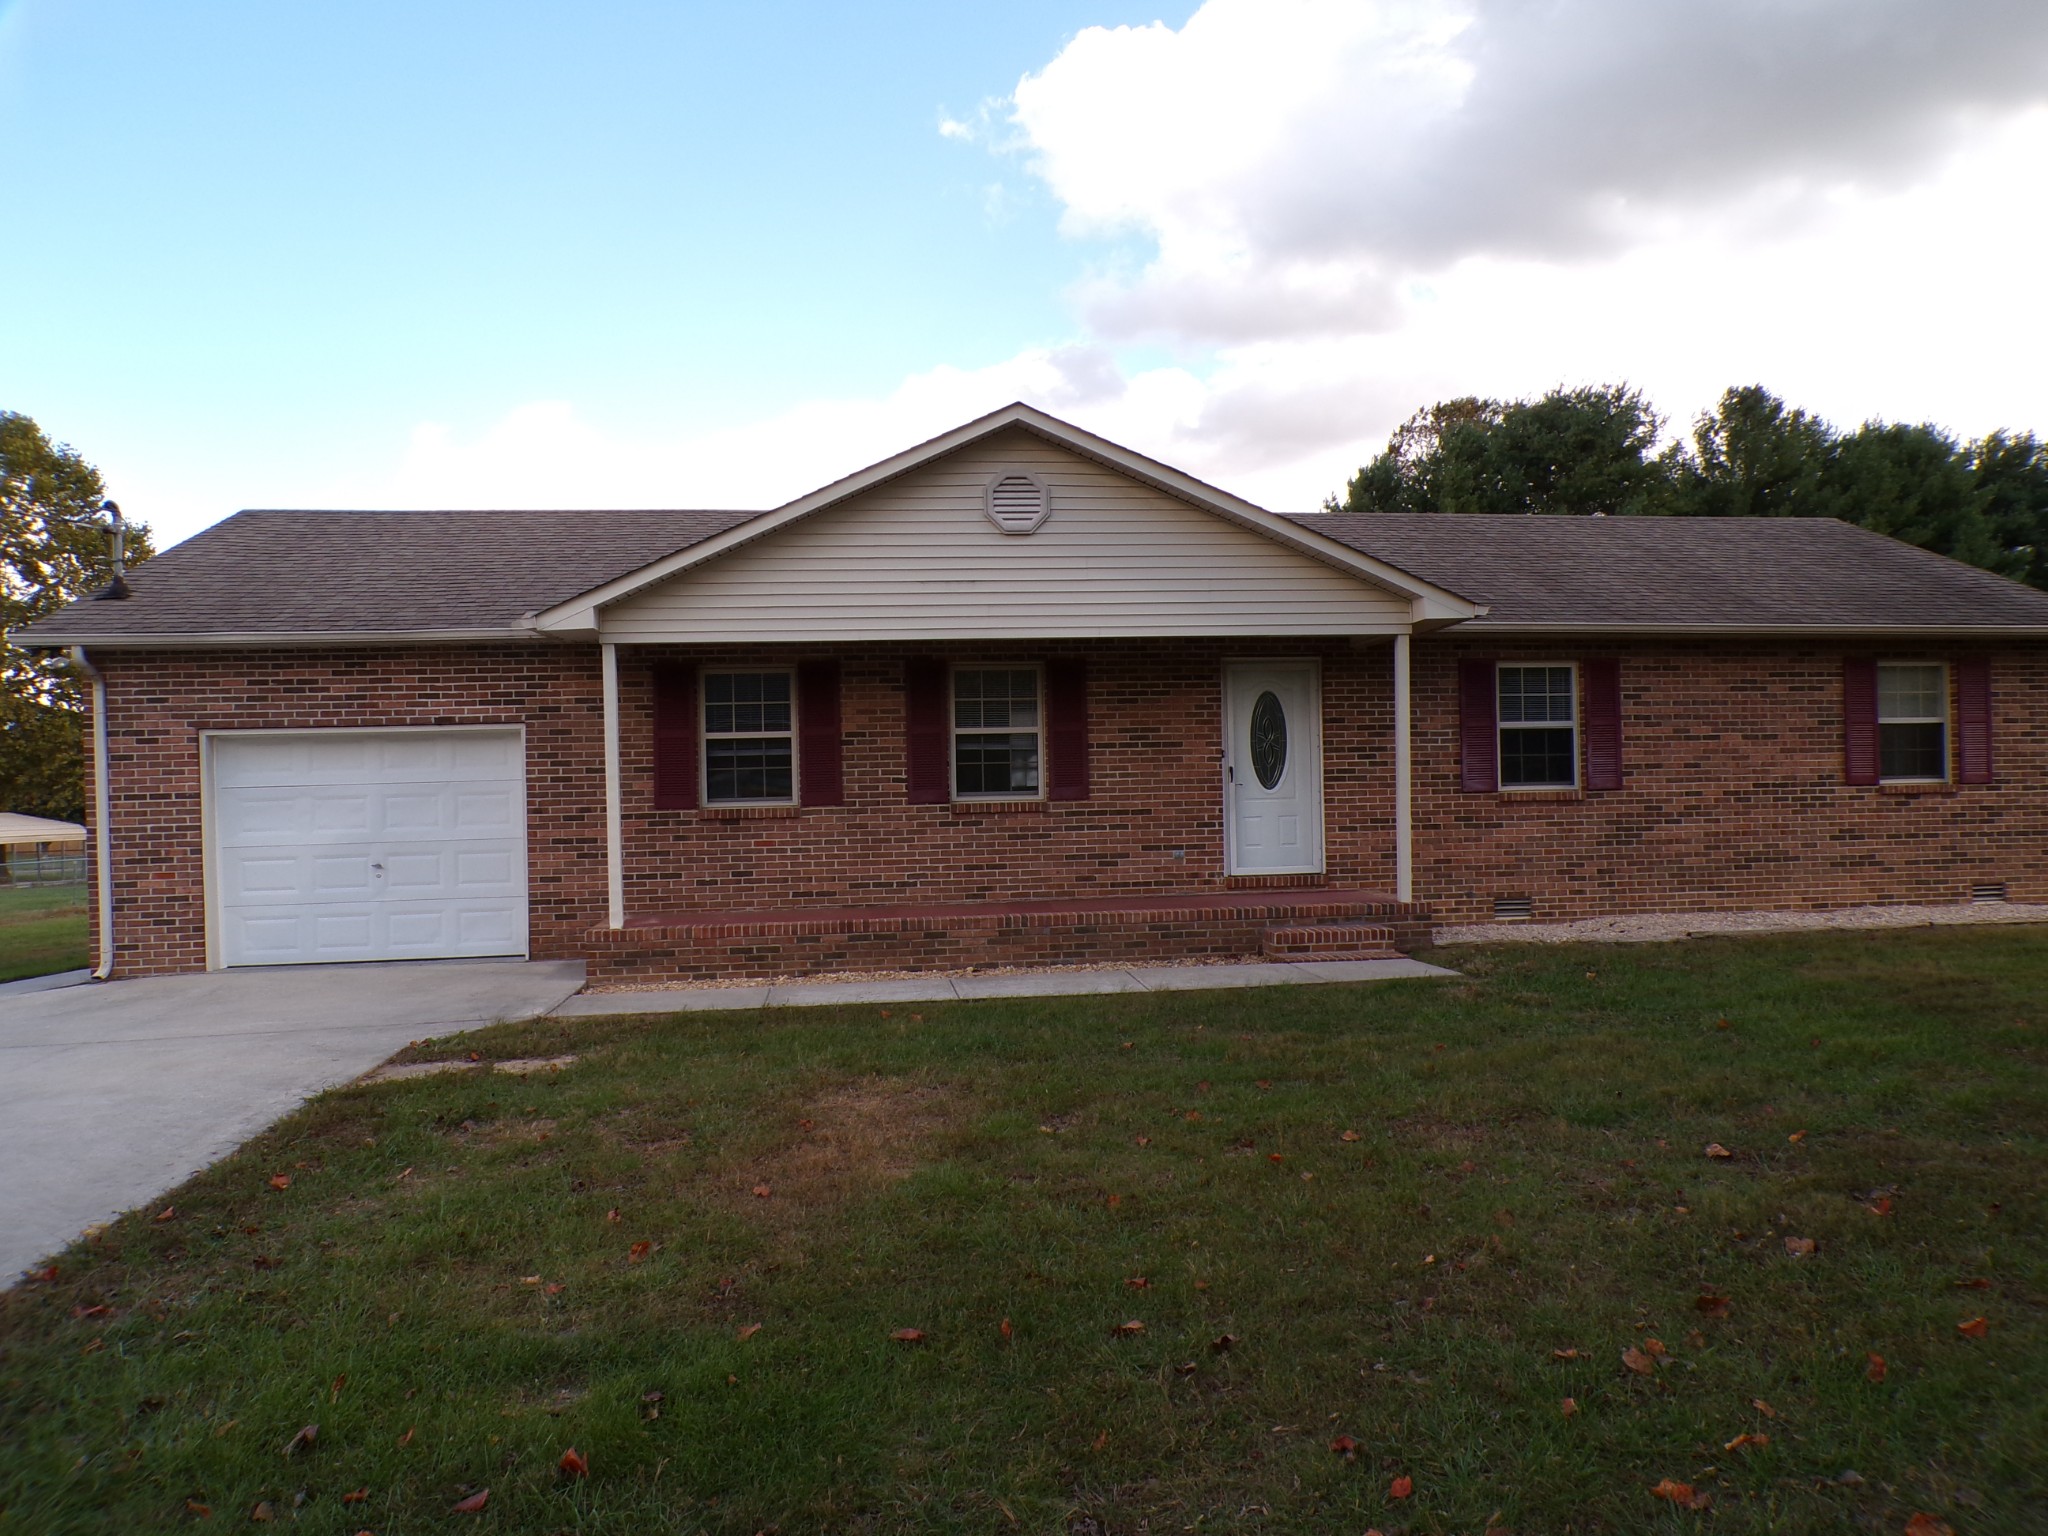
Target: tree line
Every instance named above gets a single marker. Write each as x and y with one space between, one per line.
1596 450
53 548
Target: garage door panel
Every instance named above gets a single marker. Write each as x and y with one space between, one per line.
346 846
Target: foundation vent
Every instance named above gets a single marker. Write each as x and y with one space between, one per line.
1984 895
1513 909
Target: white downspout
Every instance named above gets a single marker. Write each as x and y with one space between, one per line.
102 829
1404 810
614 824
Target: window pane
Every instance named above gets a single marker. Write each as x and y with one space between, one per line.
985 764
1910 692
1912 751
746 701
1537 756
748 768
988 700
1535 694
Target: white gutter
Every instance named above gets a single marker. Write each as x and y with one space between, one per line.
1741 631
102 829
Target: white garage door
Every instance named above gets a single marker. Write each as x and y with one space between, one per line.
367 845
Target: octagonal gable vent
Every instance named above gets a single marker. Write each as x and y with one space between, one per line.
1018 503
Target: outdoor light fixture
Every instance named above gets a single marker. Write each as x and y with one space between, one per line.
117 530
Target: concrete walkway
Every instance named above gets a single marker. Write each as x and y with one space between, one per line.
112 1093
1048 983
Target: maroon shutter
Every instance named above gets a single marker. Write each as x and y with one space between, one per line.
1859 721
1973 720
817 723
1602 677
927 731
1478 728
1066 729
675 739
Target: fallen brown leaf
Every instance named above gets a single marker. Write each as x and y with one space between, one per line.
198 1510
1349 1136
1401 1488
1568 1407
303 1440
1638 1362
1138 1283
1564 1354
1796 1137
1716 1150
1978 1284
1877 1369
613 1216
908 1335
1346 1447
1711 1304
749 1331
280 1181
1927 1525
1881 1206
261 1514
406 1438
1975 1328
1681 1494
1114 1201
356 1496
1763 1407
762 1191
1801 1247
1655 1348
473 1504
573 1464
1127 1330
166 1214
639 1251
1004 1328
1744 1441
1223 1343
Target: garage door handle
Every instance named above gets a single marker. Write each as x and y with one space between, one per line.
378 867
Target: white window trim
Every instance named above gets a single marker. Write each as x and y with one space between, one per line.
705 736
1945 720
1007 797
1501 728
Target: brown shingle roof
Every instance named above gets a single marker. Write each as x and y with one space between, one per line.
378 572
372 573
1763 572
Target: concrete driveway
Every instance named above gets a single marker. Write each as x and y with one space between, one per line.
111 1094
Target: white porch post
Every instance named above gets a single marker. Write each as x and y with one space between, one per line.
1404 810
614 823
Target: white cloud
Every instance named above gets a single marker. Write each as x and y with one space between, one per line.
1293 162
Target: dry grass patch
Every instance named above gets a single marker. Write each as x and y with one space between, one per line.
859 1137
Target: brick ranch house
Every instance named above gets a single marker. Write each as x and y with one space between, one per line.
1019 695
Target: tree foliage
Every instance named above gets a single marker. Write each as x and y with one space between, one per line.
1594 450
53 549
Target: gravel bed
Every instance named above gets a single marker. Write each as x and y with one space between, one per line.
1660 927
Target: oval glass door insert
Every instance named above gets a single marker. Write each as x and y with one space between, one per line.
1269 739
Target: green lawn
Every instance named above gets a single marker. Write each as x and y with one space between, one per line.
1419 1215
42 929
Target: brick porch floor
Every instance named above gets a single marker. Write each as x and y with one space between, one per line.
810 941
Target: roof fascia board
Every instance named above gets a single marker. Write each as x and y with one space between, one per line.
580 612
1511 627
211 639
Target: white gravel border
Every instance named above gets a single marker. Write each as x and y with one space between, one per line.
1661 927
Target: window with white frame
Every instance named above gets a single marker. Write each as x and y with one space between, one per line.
1912 720
749 738
1539 726
996 730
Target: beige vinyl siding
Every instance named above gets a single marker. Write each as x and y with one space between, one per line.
917 558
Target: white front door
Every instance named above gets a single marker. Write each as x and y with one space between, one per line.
1273 767
366 845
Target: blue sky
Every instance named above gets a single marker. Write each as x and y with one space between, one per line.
517 254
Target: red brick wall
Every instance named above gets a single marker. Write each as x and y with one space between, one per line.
1733 795
1155 737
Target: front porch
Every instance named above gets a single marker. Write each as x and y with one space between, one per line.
1319 923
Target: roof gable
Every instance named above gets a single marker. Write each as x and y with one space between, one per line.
1429 602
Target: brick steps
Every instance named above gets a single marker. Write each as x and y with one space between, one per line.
1326 924
1330 941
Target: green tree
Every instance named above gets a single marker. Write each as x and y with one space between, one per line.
53 548
1568 451
1750 457
2011 473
